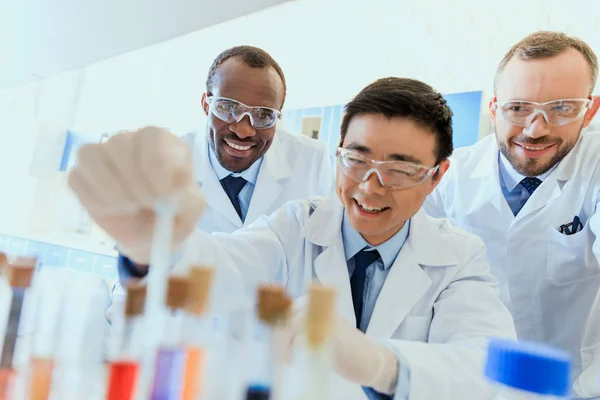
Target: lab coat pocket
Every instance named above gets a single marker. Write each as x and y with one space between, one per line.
570 258
586 384
414 328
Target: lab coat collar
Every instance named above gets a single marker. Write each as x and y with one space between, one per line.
406 282
274 167
487 176
567 166
354 242
273 161
323 228
250 174
488 162
551 187
488 171
511 176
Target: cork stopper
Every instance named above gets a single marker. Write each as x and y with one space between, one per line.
20 271
3 263
177 292
201 279
320 313
273 305
135 300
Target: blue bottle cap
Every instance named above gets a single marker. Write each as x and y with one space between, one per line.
258 392
529 366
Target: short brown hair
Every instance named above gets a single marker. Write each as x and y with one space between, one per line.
544 44
252 57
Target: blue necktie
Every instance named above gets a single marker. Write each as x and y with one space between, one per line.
233 186
530 184
362 260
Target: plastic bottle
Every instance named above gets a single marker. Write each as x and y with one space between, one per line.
527 371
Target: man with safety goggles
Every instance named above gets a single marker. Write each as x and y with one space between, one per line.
391 174
245 166
416 302
531 191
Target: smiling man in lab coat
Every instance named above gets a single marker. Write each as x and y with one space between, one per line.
245 166
531 192
416 283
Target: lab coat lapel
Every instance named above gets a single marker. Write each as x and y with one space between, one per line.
274 169
323 229
216 198
551 187
549 190
406 282
487 188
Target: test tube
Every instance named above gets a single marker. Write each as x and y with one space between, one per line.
19 274
171 357
196 329
3 262
154 311
124 371
273 312
49 285
319 323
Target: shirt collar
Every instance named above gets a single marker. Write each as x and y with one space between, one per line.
511 177
354 242
250 174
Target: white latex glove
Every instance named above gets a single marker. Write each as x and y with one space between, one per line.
356 357
120 181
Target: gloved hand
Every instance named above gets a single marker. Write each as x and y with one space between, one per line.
355 356
120 181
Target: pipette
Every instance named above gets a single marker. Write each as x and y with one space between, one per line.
160 259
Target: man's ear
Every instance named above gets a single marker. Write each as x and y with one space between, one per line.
205 103
437 177
492 108
589 115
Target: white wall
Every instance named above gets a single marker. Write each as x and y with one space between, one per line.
328 49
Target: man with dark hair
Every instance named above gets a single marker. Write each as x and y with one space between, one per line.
245 167
531 191
252 169
416 300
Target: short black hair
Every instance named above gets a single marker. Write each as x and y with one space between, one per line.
406 98
252 57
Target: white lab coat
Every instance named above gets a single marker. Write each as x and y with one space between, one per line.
549 281
439 289
294 167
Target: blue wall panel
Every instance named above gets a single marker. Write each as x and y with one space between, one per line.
465 123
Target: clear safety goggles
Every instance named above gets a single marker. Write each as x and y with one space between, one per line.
391 174
555 113
230 111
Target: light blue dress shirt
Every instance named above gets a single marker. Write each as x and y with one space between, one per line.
250 175
375 278
376 272
510 181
